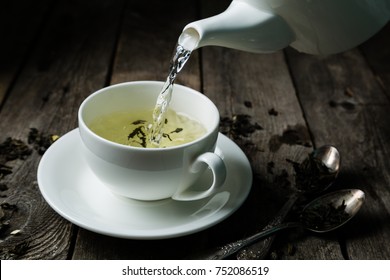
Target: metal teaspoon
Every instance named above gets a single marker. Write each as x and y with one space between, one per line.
324 214
314 175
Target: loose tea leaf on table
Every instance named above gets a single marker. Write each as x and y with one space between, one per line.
41 141
12 149
238 126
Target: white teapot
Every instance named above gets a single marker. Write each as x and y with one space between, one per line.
310 26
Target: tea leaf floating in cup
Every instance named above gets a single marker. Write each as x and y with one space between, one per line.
177 130
134 128
140 133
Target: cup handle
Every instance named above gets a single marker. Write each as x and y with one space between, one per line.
217 167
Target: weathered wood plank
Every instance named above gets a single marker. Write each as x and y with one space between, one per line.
148 37
377 53
346 106
69 61
18 30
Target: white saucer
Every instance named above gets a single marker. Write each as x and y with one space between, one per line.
75 193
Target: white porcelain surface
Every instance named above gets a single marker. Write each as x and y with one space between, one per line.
73 191
310 26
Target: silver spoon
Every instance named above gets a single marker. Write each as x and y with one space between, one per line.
315 174
323 214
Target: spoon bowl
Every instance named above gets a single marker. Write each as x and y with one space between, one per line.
318 171
332 210
329 157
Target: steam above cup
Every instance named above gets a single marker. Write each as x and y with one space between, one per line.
153 173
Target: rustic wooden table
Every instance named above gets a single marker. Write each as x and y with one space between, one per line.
53 54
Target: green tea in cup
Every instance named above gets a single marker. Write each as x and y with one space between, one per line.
134 128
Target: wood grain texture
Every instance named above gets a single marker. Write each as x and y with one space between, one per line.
68 63
147 40
346 106
18 30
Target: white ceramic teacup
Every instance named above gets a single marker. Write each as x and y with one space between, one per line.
153 173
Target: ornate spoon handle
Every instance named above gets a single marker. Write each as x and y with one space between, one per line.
261 247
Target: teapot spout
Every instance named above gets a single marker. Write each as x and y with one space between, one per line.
241 26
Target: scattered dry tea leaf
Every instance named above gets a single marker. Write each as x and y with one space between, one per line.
325 216
248 104
12 149
238 126
15 252
3 187
6 210
273 112
293 135
311 174
5 170
41 141
270 166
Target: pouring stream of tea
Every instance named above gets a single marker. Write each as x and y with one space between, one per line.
180 57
